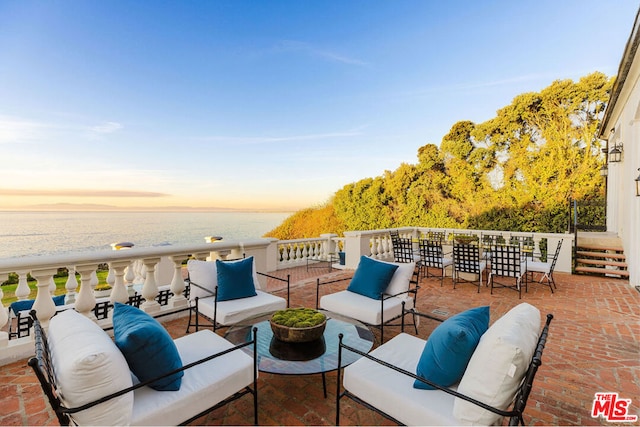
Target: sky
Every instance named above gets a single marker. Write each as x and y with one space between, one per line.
272 105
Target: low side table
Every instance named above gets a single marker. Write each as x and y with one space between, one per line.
317 357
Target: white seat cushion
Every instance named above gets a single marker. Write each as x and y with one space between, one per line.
498 365
363 308
538 266
393 392
202 386
236 310
88 366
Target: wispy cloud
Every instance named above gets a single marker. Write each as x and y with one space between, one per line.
106 127
15 129
313 51
79 193
241 140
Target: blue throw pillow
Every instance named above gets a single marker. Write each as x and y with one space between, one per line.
235 279
450 347
147 347
371 277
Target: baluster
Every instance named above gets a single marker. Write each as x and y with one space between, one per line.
111 278
44 306
130 274
150 288
52 285
23 291
94 280
178 299
85 300
71 286
4 316
119 292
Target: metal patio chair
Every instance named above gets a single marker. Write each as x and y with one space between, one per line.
467 260
508 262
432 256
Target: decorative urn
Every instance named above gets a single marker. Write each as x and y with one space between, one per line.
298 325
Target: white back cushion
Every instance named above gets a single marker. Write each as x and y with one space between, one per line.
204 273
88 366
498 365
401 278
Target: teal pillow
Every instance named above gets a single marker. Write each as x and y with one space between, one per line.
147 347
235 279
28 304
450 347
371 277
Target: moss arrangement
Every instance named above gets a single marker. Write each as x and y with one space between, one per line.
298 317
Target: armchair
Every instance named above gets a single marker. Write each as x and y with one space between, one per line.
390 286
227 292
496 383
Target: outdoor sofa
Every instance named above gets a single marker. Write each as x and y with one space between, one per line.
87 378
497 372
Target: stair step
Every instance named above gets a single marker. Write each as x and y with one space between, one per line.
597 247
601 262
601 254
621 273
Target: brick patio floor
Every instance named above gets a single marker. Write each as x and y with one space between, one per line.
593 346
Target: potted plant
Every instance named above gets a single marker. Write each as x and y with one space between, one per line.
102 290
298 324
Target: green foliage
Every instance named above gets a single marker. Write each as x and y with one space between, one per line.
516 171
298 317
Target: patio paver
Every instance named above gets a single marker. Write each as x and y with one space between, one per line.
593 346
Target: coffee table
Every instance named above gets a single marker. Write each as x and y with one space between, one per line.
317 357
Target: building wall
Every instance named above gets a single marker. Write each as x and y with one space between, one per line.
623 206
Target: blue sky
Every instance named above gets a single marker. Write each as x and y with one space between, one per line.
264 104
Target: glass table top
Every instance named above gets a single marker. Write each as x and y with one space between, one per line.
278 357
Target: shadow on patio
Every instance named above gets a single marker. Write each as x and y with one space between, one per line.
593 346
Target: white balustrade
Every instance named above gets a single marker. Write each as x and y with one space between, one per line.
23 291
4 315
85 299
71 285
119 292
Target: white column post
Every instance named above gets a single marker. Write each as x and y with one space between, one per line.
23 291
119 291
355 245
71 286
329 244
150 288
85 300
4 314
178 299
44 306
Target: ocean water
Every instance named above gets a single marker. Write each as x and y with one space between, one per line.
45 233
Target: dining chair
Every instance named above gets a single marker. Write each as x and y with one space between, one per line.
431 255
403 250
545 268
526 243
467 260
509 263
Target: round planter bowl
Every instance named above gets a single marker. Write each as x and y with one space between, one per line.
288 334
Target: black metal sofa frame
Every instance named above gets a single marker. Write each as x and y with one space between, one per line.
42 366
514 415
193 308
413 289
